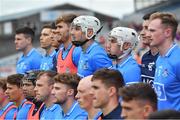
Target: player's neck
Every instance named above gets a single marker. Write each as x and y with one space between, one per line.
19 101
163 48
112 104
92 112
49 50
67 105
5 102
27 49
49 101
119 61
154 50
66 43
87 44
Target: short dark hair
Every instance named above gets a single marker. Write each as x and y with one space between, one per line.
31 76
70 79
67 18
50 74
15 79
47 26
27 31
3 83
109 77
139 91
53 25
147 16
165 114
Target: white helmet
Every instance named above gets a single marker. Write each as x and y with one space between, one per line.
124 34
86 22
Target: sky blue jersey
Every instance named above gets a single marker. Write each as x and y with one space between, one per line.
130 70
75 112
31 61
94 58
167 79
51 113
47 61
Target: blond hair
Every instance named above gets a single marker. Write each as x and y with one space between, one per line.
167 19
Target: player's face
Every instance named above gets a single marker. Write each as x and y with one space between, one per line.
55 37
77 34
146 40
132 110
60 91
63 31
21 42
13 92
100 94
45 38
43 88
28 89
108 47
156 32
84 96
114 47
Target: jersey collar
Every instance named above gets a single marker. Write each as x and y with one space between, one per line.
125 61
29 53
52 53
91 47
170 50
71 109
68 48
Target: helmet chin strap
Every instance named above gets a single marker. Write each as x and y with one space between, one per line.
125 53
115 57
79 43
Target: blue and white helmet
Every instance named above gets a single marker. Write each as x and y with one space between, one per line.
122 35
87 22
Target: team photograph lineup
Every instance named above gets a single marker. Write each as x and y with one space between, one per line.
80 72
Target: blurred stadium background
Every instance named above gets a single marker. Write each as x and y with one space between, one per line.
36 13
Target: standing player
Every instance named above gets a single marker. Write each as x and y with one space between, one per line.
15 94
31 59
65 89
84 97
68 55
138 101
93 56
162 30
7 109
149 58
122 42
46 44
43 88
105 86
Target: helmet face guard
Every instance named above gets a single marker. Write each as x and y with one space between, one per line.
80 42
123 35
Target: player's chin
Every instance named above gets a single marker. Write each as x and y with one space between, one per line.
18 49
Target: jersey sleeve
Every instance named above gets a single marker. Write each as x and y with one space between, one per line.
36 62
100 60
133 76
76 55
